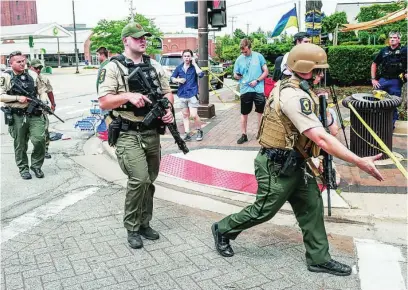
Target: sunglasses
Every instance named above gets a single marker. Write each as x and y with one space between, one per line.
15 53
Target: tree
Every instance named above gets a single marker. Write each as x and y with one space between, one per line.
380 33
329 24
238 33
108 33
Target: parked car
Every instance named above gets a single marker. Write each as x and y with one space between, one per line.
170 61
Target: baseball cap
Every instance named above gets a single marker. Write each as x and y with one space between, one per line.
36 63
134 30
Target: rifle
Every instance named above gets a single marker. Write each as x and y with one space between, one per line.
158 109
329 175
35 103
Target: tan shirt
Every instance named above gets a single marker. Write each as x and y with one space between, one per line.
10 100
46 82
110 82
297 105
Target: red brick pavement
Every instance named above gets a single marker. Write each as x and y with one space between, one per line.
223 132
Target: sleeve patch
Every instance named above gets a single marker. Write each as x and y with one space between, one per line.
2 81
102 76
306 106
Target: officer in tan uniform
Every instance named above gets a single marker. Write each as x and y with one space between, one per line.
138 147
290 131
36 66
22 125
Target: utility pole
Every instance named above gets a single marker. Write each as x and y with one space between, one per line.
131 11
232 24
75 40
247 25
300 15
205 109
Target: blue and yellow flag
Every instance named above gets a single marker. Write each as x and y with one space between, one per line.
288 20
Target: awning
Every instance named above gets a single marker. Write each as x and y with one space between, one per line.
45 30
389 18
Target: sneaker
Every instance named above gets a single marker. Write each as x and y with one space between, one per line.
47 155
187 137
199 135
332 267
244 138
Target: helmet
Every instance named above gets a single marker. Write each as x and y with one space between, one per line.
305 57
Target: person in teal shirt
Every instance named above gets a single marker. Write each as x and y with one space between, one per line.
250 69
102 54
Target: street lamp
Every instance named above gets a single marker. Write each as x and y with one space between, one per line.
75 41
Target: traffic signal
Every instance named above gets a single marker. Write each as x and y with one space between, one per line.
192 8
217 14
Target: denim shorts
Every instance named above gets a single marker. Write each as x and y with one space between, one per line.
189 102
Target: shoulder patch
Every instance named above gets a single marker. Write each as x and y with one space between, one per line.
102 76
2 81
306 106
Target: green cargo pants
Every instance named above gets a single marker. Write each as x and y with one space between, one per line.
141 165
47 132
23 129
273 191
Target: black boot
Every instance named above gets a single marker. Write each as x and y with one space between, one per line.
25 175
222 243
47 155
38 172
149 233
134 240
331 267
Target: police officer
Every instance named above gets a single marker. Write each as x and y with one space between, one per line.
22 125
290 131
103 58
391 62
138 147
36 66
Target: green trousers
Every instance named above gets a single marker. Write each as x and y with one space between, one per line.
47 132
139 158
274 190
27 128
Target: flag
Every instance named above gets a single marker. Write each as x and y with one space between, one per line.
288 20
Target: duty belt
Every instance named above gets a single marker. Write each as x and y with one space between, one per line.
23 111
133 126
278 155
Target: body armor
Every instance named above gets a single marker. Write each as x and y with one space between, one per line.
392 64
151 75
25 80
277 131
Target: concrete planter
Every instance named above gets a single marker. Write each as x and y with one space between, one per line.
401 128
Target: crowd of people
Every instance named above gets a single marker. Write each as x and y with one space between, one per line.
290 130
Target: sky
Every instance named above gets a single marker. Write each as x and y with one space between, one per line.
169 15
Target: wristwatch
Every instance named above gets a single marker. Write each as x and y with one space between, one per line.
258 81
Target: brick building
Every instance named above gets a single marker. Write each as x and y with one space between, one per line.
180 42
18 13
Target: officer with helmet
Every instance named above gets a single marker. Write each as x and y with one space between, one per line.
290 133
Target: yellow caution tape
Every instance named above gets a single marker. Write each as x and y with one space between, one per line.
380 142
231 89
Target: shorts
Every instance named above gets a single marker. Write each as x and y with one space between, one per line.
189 102
248 99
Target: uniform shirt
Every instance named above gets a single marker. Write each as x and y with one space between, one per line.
384 58
46 86
250 67
190 87
296 104
101 66
10 100
110 82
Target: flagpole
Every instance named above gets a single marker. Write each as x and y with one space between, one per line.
298 18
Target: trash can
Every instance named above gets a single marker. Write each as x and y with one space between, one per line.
377 113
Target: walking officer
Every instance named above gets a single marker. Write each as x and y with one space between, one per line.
138 146
23 125
290 131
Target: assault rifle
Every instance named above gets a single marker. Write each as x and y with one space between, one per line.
158 109
35 103
329 175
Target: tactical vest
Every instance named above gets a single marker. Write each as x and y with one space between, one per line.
392 64
151 75
25 80
277 131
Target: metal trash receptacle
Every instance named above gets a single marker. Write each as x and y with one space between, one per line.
377 113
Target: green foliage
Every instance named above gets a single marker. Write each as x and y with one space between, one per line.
238 33
329 24
350 65
108 33
380 33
